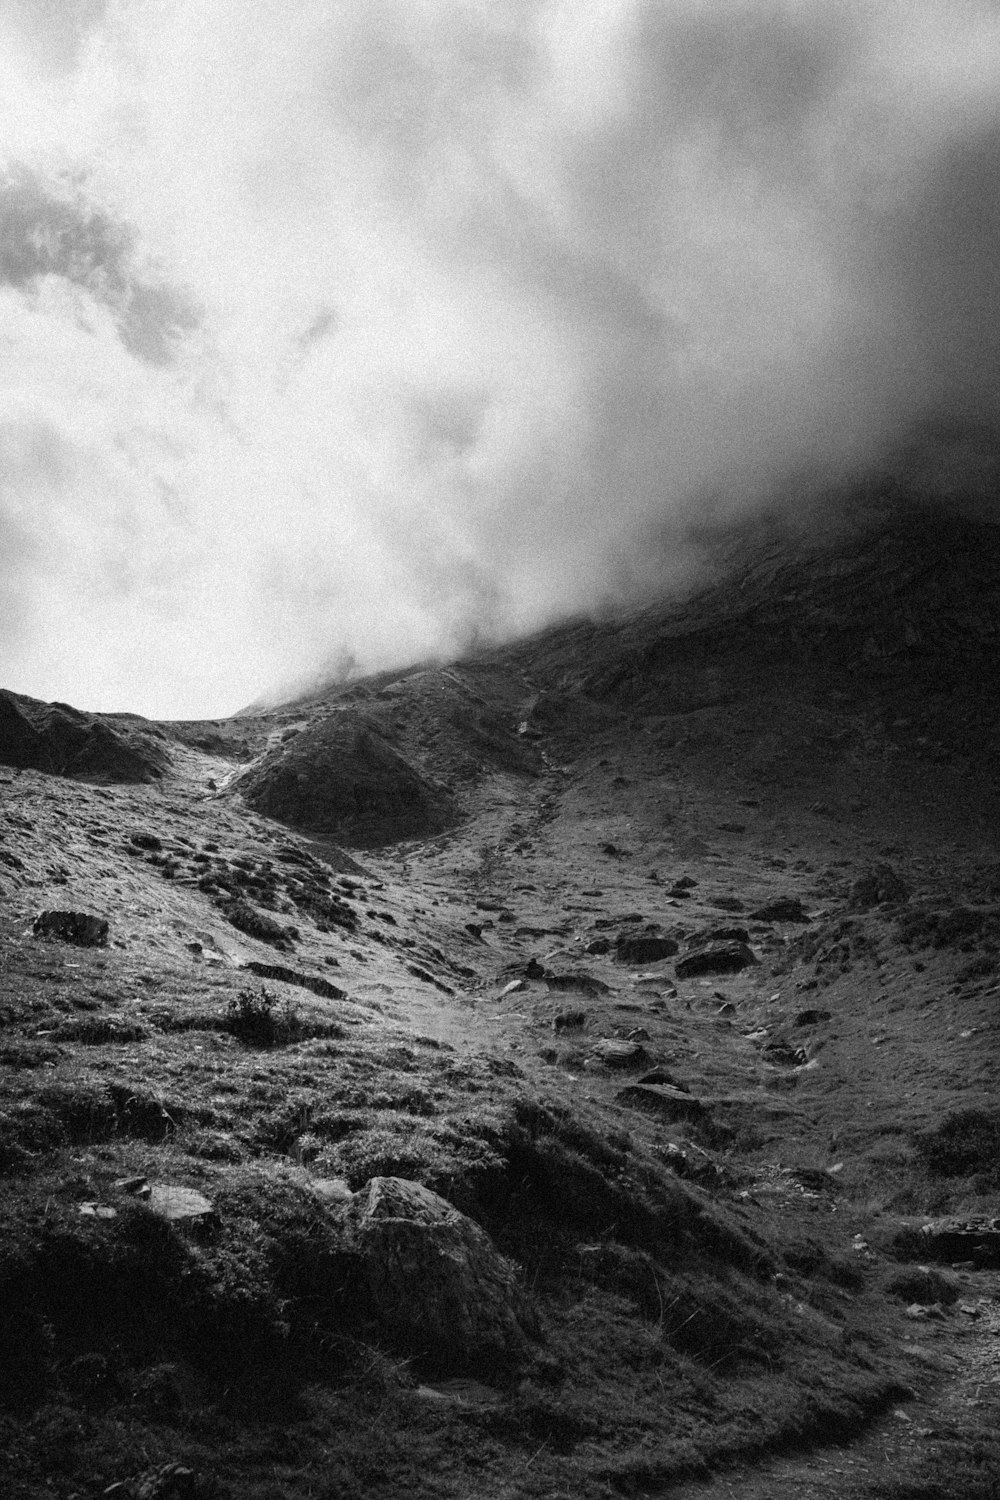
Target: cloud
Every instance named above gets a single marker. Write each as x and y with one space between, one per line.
46 234
364 330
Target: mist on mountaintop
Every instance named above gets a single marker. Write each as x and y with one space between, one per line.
346 334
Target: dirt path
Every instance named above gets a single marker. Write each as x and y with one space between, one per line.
956 1365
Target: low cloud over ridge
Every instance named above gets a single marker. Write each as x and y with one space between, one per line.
355 331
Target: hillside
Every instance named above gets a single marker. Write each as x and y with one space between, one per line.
569 1071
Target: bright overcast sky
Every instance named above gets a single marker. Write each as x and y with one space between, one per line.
353 329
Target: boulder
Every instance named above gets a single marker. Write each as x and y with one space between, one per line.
644 949
431 1280
610 1053
77 927
180 1205
580 981
718 958
663 1099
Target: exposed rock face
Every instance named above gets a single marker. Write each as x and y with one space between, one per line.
719 958
611 1053
432 1280
62 741
341 780
975 1239
72 927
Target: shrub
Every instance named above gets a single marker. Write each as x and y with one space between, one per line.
254 1017
966 1141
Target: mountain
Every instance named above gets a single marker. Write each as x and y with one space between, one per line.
567 1070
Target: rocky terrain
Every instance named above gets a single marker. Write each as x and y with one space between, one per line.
566 1072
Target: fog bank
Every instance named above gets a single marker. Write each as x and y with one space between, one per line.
352 332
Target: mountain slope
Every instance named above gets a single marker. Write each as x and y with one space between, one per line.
667 949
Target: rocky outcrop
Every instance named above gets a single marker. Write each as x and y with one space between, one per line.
431 1281
63 741
718 958
76 927
975 1239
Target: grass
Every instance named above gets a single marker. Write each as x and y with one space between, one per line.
682 1326
136 1343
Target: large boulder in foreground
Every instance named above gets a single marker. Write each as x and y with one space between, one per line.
341 780
431 1280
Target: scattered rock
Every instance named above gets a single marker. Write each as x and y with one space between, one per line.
586 983
137 1186
783 1055
724 935
599 946
784 909
72 927
720 958
333 1191
180 1205
610 1053
660 1075
432 1280
644 950
514 988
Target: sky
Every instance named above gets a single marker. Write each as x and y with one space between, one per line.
348 333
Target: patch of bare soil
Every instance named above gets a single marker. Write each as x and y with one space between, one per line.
661 964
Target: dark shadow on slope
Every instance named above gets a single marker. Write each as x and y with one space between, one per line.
340 780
